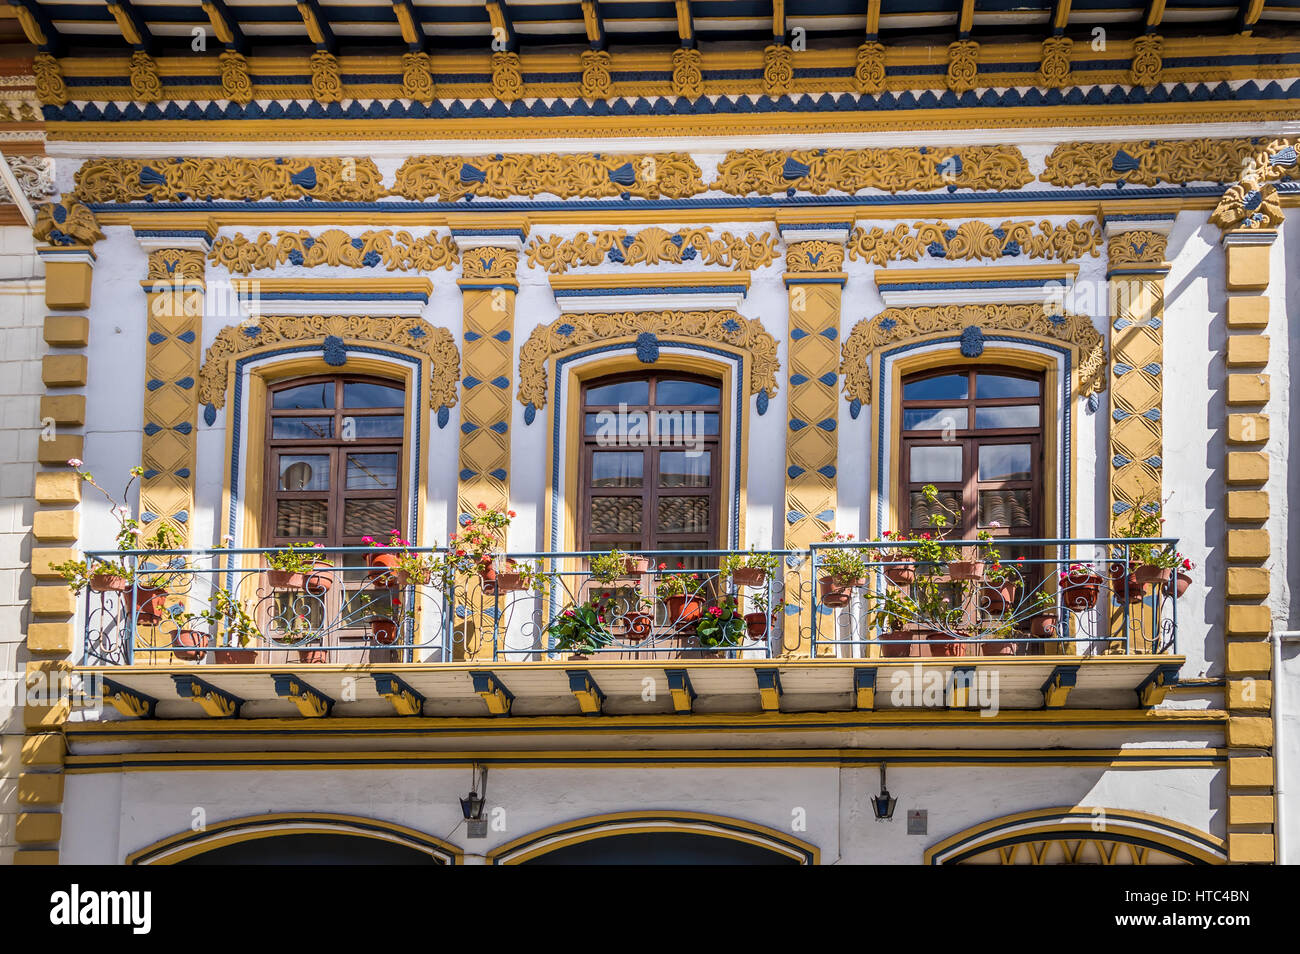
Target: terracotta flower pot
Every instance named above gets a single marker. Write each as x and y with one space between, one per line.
901 575
107 583
639 625
1153 574
315 656
683 609
147 604
1177 586
996 597
320 579
998 647
235 657
284 580
508 582
756 624
749 576
193 638
635 566
943 644
966 570
384 630
1125 588
385 561
832 591
1079 590
891 648
1044 624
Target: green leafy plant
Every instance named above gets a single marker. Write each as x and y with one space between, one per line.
610 566
296 558
481 539
751 560
683 583
721 626
583 628
229 613
845 564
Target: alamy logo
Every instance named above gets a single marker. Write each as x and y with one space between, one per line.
75 907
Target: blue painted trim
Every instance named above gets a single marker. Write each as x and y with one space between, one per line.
340 296
646 290
807 280
886 285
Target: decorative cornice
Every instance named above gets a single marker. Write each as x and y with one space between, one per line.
816 255
417 76
50 88
1137 250
1252 202
901 324
652 246
671 175
236 82
596 80
963 65
898 169
396 251
1148 60
67 222
1054 67
869 71
507 77
975 240
688 73
326 77
175 265
1148 162
649 329
778 70
413 334
35 175
146 86
487 263
177 179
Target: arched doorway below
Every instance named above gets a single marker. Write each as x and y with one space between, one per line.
662 848
312 848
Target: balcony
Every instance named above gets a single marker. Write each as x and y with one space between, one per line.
1094 617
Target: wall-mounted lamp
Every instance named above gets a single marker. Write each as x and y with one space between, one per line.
471 806
884 803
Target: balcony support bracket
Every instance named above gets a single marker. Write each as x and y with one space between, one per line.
497 697
769 689
864 687
590 699
312 703
215 702
129 702
1057 688
404 700
1154 688
683 693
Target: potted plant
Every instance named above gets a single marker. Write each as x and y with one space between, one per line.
1124 584
1079 585
582 629
1044 614
763 620
842 569
481 541
515 577
680 593
299 633
900 569
188 642
751 569
240 629
386 617
1178 586
289 568
720 627
893 612
1000 641
999 590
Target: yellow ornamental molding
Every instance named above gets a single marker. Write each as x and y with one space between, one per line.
778 70
902 324
963 65
975 240
688 73
652 246
174 180
417 75
396 251
236 82
668 175
1137 247
814 256
67 222
1147 161
507 77
1252 202
176 265
490 264
869 72
50 88
1148 52
596 80
898 169
326 78
414 334
145 84
1054 67
646 328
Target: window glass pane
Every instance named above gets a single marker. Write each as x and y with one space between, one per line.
1004 386
617 469
611 425
304 397
1013 416
370 426
620 392
365 394
944 387
687 392
301 518
369 518
686 426
683 514
935 465
1004 462
946 504
1007 508
615 515
302 428
305 472
683 469
372 472
934 418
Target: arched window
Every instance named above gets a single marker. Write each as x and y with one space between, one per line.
650 463
977 436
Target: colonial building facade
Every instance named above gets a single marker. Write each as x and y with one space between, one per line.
925 368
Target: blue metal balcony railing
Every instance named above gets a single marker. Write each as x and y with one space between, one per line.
221 606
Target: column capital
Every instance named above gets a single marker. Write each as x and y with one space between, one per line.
197 237
477 231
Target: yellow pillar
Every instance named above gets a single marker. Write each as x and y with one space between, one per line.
814 280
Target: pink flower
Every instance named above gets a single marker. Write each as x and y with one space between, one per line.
74 462
482 506
1187 564
367 539
510 513
663 566
888 533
